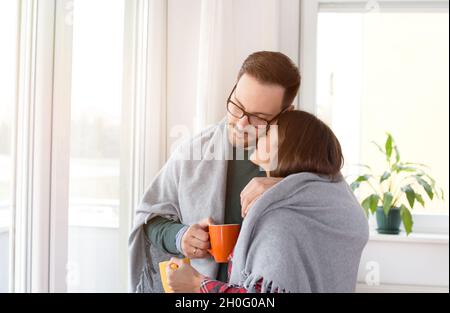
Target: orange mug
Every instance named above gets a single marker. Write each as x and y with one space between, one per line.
223 239
163 273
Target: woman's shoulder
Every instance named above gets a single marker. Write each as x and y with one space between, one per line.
305 186
313 197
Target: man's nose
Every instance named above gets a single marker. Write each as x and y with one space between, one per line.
243 122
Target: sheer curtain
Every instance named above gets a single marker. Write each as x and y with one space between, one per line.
216 48
230 30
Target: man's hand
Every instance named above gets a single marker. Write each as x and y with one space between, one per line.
195 240
254 189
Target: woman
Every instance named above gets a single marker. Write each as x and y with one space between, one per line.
306 233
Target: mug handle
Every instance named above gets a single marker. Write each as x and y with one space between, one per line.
210 251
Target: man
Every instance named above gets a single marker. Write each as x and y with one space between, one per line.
190 193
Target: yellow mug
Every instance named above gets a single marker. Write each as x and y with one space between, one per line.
163 273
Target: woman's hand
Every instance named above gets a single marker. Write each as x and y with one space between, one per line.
185 278
254 189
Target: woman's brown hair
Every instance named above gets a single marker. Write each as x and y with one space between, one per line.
306 144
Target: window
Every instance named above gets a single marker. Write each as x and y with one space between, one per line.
97 248
387 71
8 79
76 138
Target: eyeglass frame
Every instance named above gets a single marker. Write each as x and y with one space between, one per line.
248 114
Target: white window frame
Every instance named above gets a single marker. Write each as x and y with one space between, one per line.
36 241
144 104
39 239
29 181
19 248
309 11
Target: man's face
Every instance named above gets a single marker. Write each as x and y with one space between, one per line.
264 101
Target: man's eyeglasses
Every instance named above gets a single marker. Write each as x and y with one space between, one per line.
238 112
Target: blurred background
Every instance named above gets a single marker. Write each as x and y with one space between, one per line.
95 94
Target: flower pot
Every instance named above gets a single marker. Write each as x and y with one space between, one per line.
389 224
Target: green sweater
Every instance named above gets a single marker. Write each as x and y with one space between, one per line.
162 232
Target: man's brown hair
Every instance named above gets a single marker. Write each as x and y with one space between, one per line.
306 144
273 68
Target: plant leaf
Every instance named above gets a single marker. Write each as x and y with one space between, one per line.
420 199
417 164
388 147
364 165
355 185
374 203
402 168
370 203
366 205
397 154
426 187
432 181
378 146
385 176
363 178
407 219
410 195
387 202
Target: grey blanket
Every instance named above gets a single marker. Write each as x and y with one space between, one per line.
306 234
191 186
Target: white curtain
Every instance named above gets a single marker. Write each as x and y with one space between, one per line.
230 30
216 49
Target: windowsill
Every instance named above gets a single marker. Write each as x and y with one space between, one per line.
422 238
362 287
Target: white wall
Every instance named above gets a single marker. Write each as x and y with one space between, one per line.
399 263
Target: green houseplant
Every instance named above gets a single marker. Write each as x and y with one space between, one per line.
396 191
